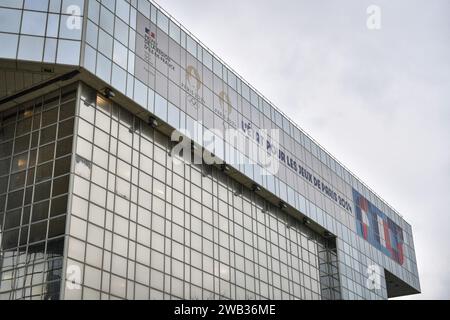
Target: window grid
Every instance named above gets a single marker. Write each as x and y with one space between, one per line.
31 245
197 281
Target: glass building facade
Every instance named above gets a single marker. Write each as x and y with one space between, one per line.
93 205
36 152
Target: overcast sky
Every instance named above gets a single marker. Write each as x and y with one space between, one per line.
378 100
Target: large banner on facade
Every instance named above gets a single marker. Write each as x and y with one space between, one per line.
176 75
378 229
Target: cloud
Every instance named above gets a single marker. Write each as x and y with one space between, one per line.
377 100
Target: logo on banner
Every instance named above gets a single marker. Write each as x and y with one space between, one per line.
377 228
225 109
225 104
192 85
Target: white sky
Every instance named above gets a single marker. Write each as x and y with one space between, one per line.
378 100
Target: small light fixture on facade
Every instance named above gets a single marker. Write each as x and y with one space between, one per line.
256 188
328 234
153 122
133 128
282 205
306 221
109 93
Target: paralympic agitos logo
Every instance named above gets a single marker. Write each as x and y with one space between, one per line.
192 84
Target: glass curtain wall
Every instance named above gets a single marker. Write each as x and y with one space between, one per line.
143 227
35 156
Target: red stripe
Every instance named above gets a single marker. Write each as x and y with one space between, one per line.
363 204
400 253
387 236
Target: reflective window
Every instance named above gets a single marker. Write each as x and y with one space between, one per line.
217 67
191 46
22 144
140 93
38 5
8 49
120 54
42 191
92 277
160 107
12 3
34 23
121 31
68 52
123 10
9 20
84 149
118 286
44 172
174 32
50 50
105 43
60 185
49 117
54 6
106 20
173 116
95 235
207 59
91 34
90 58
31 48
40 211
103 67
93 11
163 22
65 128
17 180
38 231
47 135
119 78
52 25
144 8
59 206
